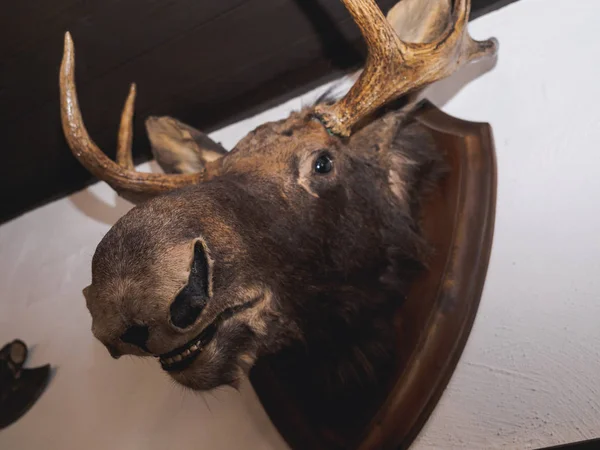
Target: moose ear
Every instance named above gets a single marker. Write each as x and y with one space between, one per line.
378 134
179 148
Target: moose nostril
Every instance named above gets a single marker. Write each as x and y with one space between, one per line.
113 351
192 299
137 335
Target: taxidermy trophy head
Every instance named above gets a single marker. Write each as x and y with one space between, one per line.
304 235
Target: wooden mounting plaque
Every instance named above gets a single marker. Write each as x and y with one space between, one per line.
433 325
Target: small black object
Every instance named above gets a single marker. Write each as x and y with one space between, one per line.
19 388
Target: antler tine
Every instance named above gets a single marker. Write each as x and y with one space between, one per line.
125 138
394 68
133 186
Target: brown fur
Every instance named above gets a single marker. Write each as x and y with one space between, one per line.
321 259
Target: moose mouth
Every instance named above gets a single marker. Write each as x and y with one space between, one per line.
182 357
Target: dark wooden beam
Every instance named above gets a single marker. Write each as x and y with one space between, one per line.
591 444
209 63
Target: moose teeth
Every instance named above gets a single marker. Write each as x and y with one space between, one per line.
184 354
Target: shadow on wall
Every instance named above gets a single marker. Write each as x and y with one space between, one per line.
439 94
99 210
445 90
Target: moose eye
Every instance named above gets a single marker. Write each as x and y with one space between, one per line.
323 164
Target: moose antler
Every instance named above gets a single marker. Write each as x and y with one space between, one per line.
395 68
122 177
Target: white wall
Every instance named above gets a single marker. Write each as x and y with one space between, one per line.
530 375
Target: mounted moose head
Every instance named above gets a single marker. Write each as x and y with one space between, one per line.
304 235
